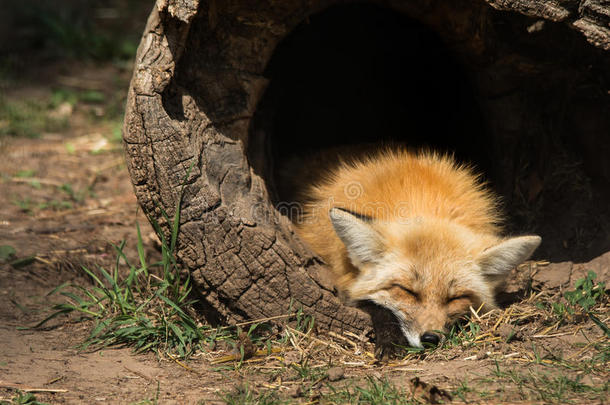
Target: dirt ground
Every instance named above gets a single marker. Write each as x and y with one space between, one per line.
65 196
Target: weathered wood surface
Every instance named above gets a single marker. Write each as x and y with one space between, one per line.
591 17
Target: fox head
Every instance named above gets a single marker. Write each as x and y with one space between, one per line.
427 272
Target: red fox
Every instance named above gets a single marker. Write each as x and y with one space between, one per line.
416 233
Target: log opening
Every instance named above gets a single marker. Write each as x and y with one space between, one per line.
202 96
363 74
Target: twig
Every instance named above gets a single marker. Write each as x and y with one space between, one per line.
407 369
350 342
29 180
54 380
8 385
237 357
352 334
578 353
294 344
354 363
476 315
43 261
547 330
67 251
139 374
271 318
487 338
501 318
320 341
181 363
551 336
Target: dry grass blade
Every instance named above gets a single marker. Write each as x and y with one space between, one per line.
343 338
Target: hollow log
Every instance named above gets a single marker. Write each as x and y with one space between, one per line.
198 79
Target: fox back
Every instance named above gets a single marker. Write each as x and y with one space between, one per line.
417 234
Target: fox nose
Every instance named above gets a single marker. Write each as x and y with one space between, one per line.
430 338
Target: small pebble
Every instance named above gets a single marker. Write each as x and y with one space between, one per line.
336 374
295 391
482 355
506 332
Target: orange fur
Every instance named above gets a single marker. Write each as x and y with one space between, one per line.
426 249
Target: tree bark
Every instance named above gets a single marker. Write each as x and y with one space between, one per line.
198 77
243 256
591 17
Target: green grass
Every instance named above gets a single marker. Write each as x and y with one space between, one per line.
71 196
462 390
586 293
23 398
376 392
244 395
24 204
462 333
305 372
25 173
541 386
147 309
28 118
82 40
371 391
540 382
76 195
582 299
73 31
31 117
7 252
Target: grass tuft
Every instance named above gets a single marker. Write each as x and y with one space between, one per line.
28 118
23 398
244 395
376 392
147 309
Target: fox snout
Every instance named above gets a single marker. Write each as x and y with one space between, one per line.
424 330
431 338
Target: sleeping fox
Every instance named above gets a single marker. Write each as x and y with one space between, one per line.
416 233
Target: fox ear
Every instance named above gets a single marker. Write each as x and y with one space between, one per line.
498 260
363 242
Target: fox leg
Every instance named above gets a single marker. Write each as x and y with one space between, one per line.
388 336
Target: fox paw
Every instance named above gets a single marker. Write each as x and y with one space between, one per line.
389 340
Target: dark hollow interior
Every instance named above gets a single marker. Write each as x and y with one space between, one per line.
358 74
362 74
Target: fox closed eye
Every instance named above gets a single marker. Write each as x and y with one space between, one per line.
459 297
405 289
